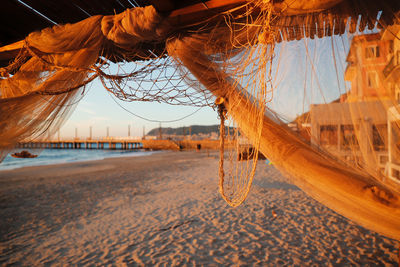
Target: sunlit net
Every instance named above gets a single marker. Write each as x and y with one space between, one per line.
316 92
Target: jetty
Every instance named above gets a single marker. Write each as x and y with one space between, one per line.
82 144
121 144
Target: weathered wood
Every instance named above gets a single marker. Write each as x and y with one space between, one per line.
163 6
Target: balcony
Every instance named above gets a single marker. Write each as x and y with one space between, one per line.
392 69
350 73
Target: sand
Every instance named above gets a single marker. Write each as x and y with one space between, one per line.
165 209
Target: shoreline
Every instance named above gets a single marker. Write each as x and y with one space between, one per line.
123 153
165 208
77 166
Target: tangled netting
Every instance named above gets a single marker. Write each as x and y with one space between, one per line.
54 65
334 129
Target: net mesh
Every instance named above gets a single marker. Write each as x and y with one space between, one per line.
314 86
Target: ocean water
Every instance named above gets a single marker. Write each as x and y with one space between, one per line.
56 156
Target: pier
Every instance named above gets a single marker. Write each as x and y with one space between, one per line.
122 144
82 144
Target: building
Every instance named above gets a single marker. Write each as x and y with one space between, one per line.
362 126
367 58
391 72
391 76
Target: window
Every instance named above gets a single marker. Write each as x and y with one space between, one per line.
379 137
383 159
397 93
372 79
372 52
395 174
329 135
395 143
348 137
391 46
397 58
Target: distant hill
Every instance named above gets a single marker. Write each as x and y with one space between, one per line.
195 129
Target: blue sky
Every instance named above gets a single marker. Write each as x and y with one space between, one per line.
293 77
97 109
299 83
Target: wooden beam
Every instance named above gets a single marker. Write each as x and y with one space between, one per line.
162 6
9 52
197 13
11 47
207 6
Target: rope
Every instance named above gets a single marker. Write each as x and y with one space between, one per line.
150 120
221 115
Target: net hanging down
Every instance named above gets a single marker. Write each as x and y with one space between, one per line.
314 86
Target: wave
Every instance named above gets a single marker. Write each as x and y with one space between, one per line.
59 156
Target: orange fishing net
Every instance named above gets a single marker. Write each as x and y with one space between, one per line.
323 110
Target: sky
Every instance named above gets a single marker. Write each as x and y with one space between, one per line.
307 74
98 110
297 84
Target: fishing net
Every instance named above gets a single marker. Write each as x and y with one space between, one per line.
314 86
41 85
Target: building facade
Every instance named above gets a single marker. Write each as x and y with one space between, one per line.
362 126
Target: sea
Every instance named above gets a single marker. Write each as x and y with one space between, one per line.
57 156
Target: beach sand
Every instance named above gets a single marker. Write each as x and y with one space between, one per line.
165 209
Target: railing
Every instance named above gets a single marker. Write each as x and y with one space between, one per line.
82 144
393 63
383 158
394 172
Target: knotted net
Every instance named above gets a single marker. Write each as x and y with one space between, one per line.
305 83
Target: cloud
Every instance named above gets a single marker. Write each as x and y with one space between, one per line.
100 118
86 110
